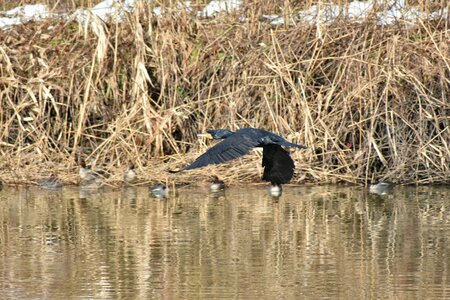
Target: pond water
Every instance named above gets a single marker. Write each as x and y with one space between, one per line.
312 243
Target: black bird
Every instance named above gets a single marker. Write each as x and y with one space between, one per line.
278 164
278 168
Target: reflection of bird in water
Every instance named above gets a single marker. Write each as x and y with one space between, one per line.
130 175
380 187
159 191
278 164
216 184
50 183
275 190
88 178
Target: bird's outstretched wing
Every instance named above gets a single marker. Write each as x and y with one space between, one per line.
231 148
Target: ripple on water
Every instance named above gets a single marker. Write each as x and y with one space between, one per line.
313 242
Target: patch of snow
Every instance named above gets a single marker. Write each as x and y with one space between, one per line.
320 14
359 9
4 22
104 10
112 8
440 13
387 12
186 6
80 14
158 11
24 13
391 11
274 19
399 13
216 6
29 11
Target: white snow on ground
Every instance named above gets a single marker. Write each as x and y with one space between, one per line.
24 14
186 6
388 12
358 11
112 8
439 13
274 19
158 11
28 11
106 9
216 6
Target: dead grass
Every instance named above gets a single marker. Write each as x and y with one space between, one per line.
366 99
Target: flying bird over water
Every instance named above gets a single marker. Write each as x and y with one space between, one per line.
277 162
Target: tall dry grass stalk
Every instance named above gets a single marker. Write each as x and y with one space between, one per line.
364 98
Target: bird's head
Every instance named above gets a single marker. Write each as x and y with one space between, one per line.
83 163
216 134
215 179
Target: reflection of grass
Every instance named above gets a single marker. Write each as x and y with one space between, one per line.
128 244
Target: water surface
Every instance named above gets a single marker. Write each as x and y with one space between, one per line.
314 242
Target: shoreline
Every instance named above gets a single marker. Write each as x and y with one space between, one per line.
241 172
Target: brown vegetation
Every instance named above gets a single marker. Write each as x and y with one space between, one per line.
365 98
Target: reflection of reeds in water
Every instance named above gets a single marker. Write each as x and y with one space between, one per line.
364 98
314 242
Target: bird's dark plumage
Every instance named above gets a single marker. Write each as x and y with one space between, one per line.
237 144
277 162
231 148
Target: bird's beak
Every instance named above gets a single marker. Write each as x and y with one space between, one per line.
205 135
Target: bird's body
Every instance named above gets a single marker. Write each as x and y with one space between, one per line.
381 188
159 191
130 175
277 162
50 183
92 183
88 178
86 174
216 184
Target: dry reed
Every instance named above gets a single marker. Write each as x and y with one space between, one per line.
364 98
